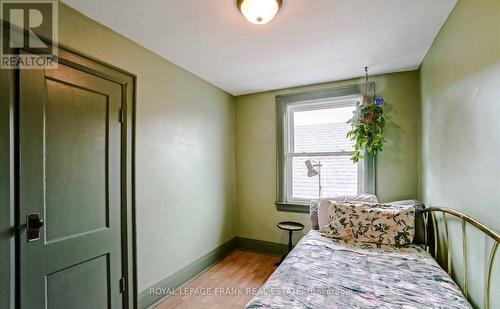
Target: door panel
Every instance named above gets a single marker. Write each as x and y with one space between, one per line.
63 291
75 158
69 140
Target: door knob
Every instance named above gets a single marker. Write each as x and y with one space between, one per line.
33 225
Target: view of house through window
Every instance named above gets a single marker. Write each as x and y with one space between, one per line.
317 132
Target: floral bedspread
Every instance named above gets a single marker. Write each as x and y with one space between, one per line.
325 273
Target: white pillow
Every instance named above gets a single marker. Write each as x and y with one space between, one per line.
324 204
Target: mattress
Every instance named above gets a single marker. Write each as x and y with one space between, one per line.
325 273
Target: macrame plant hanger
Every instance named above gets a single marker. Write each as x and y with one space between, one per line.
366 93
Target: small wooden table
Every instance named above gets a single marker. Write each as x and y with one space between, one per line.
291 227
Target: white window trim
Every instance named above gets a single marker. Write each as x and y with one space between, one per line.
309 105
367 180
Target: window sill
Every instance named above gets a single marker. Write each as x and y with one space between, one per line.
293 207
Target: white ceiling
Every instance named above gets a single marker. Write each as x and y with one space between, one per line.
309 41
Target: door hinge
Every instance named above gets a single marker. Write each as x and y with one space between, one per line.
120 115
123 285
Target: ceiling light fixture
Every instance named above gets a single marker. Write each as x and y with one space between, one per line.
259 11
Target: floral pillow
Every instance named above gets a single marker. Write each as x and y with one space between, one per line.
371 223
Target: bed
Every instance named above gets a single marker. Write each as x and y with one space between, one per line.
325 273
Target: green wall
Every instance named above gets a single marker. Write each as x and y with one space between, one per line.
397 165
184 151
460 84
184 156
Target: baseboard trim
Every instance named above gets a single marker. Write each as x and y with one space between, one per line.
186 274
199 266
260 246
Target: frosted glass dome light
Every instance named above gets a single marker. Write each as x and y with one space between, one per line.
259 11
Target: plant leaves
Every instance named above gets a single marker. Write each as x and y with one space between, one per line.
367 130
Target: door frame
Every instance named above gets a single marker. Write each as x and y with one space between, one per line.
10 101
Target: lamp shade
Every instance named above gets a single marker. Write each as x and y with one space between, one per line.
259 11
310 170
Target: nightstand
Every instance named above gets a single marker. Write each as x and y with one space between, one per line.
291 227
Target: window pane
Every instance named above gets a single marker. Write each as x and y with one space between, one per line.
322 130
339 176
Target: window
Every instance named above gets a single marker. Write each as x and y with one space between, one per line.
317 132
313 127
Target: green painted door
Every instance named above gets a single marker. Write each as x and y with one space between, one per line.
69 175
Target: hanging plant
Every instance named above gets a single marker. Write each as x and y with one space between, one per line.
367 125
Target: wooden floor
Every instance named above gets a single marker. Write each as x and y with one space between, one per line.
230 283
